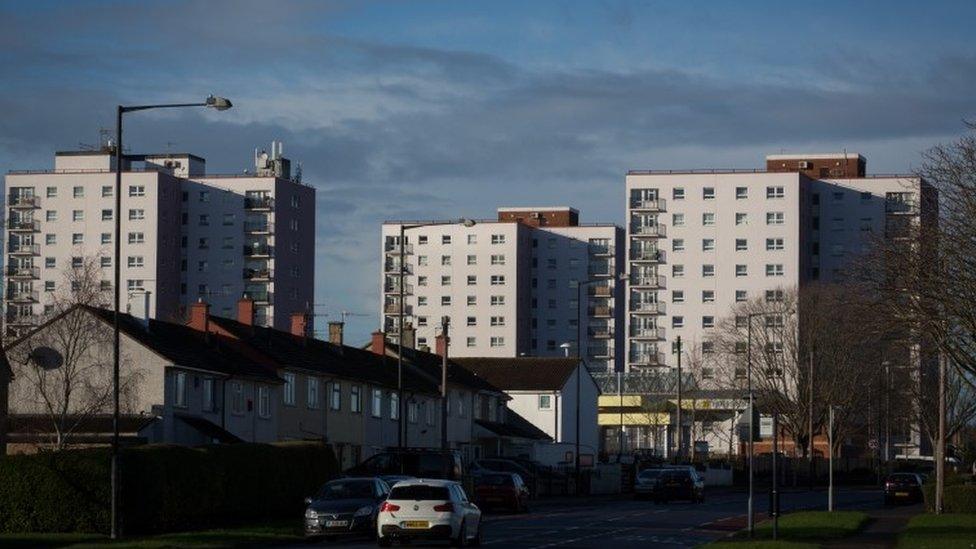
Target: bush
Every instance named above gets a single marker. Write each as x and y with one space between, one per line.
960 497
162 488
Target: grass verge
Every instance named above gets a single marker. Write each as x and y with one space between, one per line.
798 531
264 534
948 531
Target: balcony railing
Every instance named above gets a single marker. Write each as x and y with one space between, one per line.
392 267
647 254
650 204
900 207
14 271
601 291
21 296
640 332
258 250
656 231
22 201
600 311
394 309
393 248
394 288
600 352
260 296
600 331
258 227
601 250
32 225
25 249
657 281
601 270
258 202
258 274
652 307
646 358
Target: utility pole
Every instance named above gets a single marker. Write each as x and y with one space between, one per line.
830 441
774 504
887 449
679 453
752 421
810 417
620 395
445 326
940 443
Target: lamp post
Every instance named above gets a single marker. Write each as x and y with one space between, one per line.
752 418
887 447
217 103
402 270
678 431
445 327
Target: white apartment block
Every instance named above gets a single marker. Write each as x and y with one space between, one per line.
186 234
509 285
701 240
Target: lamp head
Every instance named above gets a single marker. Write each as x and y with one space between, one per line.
219 103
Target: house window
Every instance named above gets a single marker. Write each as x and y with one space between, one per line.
708 193
472 300
394 406
312 398
137 238
677 296
136 190
133 261
204 196
51 215
472 321
335 402
289 389
421 261
774 218
497 239
50 239
446 280
377 408
741 244
422 301
179 390
774 296
774 244
429 409
106 238
264 402
204 220
237 397
52 192
209 395
445 300
78 215
708 219
412 412
545 402
741 193
77 238
355 399
774 192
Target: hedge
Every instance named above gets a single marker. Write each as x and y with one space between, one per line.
162 488
959 496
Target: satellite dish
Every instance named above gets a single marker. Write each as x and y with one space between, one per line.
47 358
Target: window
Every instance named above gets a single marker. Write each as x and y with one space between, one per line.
106 238
289 389
708 322
107 215
774 244
204 196
472 280
497 300
49 263
774 192
775 269
179 390
78 191
134 284
471 342
708 244
551 263
77 262
264 402
472 260
209 395
203 266
429 409
421 281
237 397
355 399
204 220
52 192
51 215
497 239
678 245
422 301
335 401
445 239
838 196
677 271
708 296
708 271
77 238
774 218
741 295
50 239
421 261
497 321
741 244
497 280
677 193
446 280
445 260
677 296
741 321
77 215
377 407
445 300
741 218
472 321
677 322
497 341
678 220
422 239
133 260
545 402
472 300
472 239
411 412
866 195
708 193
394 406
137 190
741 270
774 296
137 214
421 321
741 193
137 238
498 259
228 219
48 285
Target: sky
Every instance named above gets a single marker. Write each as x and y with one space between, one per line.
435 110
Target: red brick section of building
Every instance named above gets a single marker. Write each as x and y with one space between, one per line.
820 166
540 217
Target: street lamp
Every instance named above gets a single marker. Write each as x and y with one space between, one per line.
213 102
401 434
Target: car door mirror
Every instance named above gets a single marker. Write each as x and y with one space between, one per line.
308 501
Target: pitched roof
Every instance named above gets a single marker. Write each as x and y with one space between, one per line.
429 365
514 426
522 373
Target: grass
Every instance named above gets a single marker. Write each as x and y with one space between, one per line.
798 531
265 534
947 531
762 544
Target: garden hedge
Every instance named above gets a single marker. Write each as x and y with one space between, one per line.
162 488
960 496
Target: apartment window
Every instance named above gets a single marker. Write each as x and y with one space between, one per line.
421 260
708 219
774 244
774 296
678 245
741 321
228 243
228 219
78 191
497 321
472 300
445 300
445 239
107 215
335 400
107 190
472 239
708 244
77 238
355 399
50 239
677 296
497 300
137 238
472 260
48 285
106 261
312 396
137 214
678 219
677 193
741 270
498 259
708 296
133 260
77 262
289 389
52 192
741 193
497 341
136 190
421 321
203 243
774 269
204 220
106 238
774 218
49 263
708 271
774 192
445 260
677 271
421 281
741 295
204 196
708 322
497 239
209 395
865 195
422 301
472 321
179 390
551 263
264 402
445 280
677 322
472 280
545 402
708 193
51 215
741 218
866 224
551 284
497 280
78 215
471 342
741 244
377 407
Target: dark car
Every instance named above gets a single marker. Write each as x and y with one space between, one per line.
902 487
393 479
412 462
345 506
500 465
505 490
646 482
679 484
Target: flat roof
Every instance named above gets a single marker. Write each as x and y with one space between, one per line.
814 156
539 209
174 155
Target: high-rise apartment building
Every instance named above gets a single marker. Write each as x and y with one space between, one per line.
186 234
700 241
509 285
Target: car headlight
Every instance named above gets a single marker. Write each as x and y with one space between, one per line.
364 511
311 514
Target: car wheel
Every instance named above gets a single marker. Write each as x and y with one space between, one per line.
384 541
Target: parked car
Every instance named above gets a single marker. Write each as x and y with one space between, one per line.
412 462
502 490
393 479
646 482
902 487
500 465
681 484
345 506
429 510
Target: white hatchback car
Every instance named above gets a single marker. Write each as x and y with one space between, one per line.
431 510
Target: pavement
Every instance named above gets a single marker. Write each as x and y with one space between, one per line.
882 529
621 522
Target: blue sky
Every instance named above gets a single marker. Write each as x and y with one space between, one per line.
445 109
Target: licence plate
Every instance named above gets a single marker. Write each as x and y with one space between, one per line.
416 524
336 523
901 494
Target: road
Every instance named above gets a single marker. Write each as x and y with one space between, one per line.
621 522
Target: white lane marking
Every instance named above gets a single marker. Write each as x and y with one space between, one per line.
581 538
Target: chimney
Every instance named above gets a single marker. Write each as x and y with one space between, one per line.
300 325
440 346
245 310
335 332
138 307
409 336
379 343
199 313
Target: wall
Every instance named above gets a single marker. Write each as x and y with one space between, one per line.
526 404
589 430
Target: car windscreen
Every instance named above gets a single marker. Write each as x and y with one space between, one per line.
497 480
420 492
675 474
903 478
650 473
347 489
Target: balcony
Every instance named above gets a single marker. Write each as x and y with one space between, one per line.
604 311
394 248
600 352
258 203
258 274
19 318
600 269
652 231
258 227
656 281
639 332
14 271
648 204
25 249
21 296
394 268
600 332
23 201
648 307
646 359
394 309
651 255
900 207
600 291
260 296
601 250
394 288
29 225
259 250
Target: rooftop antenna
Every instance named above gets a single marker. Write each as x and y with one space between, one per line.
169 145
